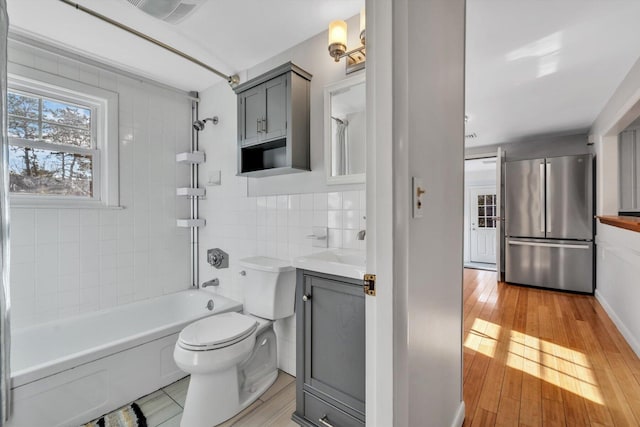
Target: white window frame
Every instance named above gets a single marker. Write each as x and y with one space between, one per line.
104 128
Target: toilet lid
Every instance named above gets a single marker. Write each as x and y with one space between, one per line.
217 331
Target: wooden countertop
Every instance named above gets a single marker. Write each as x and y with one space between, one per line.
628 222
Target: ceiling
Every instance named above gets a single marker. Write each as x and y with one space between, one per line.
542 67
229 35
533 68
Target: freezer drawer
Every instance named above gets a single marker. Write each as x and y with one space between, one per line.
557 264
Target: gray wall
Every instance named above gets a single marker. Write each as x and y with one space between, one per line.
537 147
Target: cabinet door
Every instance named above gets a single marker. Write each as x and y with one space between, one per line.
335 340
636 170
275 124
250 113
627 172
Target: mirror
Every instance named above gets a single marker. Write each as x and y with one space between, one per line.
345 131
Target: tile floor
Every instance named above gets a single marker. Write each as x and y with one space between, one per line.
163 408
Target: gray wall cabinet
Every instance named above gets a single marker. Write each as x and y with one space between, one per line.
273 122
629 162
330 322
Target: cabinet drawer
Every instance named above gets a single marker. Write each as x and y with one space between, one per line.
316 409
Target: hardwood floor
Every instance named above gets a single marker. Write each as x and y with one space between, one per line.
542 358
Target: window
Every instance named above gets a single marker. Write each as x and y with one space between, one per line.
62 141
52 146
486 211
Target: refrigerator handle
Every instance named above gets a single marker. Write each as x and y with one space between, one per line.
549 245
548 199
542 201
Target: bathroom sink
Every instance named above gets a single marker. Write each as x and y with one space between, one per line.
341 262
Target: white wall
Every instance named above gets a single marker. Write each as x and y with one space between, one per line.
271 216
428 142
69 261
618 270
618 249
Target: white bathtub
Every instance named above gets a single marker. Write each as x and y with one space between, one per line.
70 371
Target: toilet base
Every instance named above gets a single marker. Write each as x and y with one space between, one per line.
206 405
214 397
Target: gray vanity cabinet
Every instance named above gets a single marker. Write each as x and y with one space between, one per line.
330 321
273 122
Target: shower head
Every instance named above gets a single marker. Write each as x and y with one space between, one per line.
199 124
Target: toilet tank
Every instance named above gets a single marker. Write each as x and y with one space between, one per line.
269 286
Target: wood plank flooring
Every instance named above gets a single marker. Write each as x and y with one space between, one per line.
542 358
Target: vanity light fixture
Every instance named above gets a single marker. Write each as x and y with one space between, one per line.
355 59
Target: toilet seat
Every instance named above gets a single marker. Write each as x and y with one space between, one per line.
219 331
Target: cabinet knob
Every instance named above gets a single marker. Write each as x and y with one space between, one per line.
306 297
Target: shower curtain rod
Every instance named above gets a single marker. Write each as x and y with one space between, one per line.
232 80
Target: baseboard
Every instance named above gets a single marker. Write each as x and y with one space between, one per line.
459 419
631 340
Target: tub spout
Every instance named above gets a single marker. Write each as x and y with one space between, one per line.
361 234
212 282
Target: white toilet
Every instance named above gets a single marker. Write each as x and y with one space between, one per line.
231 356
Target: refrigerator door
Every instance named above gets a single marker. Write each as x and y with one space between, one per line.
524 196
558 264
569 207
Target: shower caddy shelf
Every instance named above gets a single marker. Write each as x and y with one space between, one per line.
192 158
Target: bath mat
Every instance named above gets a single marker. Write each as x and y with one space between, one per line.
129 416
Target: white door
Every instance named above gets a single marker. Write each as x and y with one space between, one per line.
482 206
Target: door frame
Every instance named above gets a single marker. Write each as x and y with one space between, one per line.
489 188
500 156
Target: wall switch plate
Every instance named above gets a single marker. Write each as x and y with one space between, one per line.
418 192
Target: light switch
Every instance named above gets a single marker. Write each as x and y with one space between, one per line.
418 197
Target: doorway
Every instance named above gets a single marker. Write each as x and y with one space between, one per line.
480 214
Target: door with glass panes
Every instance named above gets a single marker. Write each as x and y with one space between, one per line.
483 215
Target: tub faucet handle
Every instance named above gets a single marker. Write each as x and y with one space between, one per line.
212 282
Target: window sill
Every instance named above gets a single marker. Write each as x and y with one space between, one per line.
20 202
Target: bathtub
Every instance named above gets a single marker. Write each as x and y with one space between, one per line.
70 371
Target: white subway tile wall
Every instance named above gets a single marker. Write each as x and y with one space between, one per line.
69 261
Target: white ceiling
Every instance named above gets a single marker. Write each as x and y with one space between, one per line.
541 67
534 67
229 35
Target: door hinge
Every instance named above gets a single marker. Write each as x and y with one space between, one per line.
369 284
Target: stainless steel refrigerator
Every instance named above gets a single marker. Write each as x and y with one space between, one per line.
549 222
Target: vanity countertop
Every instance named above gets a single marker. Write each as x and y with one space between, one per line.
627 222
339 262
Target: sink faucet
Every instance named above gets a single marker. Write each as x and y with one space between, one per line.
361 234
212 282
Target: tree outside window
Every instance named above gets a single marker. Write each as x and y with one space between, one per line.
52 149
